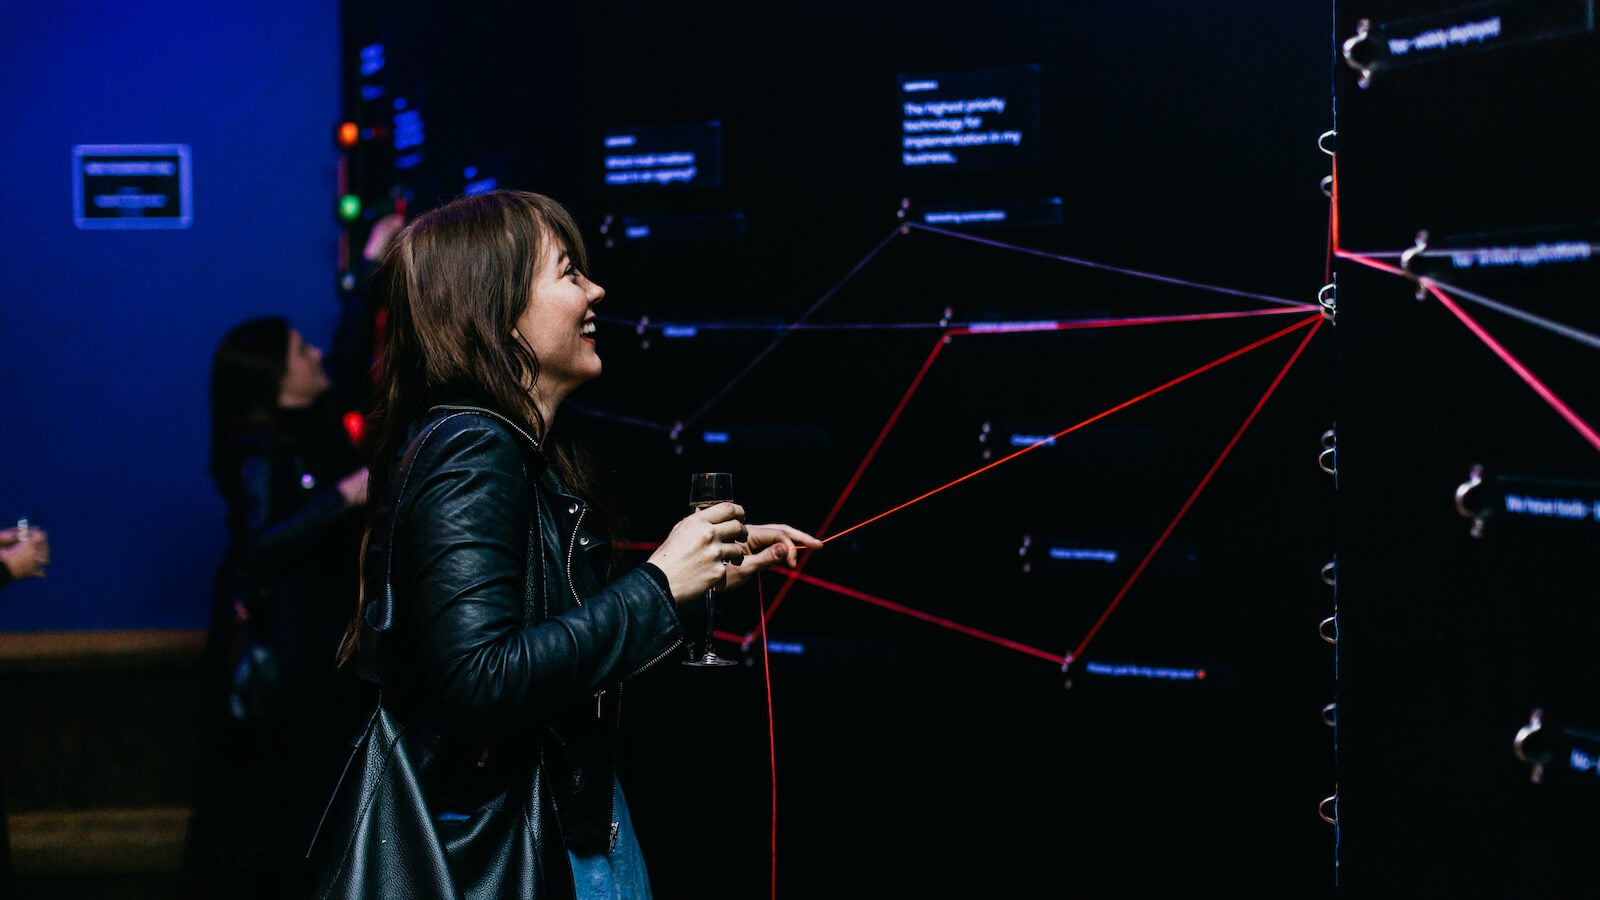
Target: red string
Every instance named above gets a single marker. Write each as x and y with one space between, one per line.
772 741
1075 324
938 346
1560 406
1333 221
1549 396
1206 479
1092 419
919 614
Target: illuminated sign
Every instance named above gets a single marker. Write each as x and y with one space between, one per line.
131 186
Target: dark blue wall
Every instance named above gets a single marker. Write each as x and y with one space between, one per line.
106 336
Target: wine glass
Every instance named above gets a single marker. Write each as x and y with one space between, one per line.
709 489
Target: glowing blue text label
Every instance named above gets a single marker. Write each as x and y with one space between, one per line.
408 130
130 168
1444 38
1568 508
958 217
660 155
974 119
1083 553
658 176
1527 257
1151 672
1007 327
130 201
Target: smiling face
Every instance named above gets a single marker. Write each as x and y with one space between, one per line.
558 325
304 379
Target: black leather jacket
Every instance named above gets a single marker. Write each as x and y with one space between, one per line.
291 559
497 635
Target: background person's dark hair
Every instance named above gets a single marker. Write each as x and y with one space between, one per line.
246 377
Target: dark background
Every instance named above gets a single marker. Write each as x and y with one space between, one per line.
912 758
915 758
1449 643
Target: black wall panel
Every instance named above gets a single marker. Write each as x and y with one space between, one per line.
1181 142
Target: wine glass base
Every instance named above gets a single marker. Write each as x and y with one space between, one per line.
710 660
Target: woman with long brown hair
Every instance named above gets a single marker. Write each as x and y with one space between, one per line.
491 615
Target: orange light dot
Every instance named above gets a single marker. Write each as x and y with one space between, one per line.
349 134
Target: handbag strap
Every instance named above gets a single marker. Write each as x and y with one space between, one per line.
380 617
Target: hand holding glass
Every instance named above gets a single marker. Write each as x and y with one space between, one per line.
709 489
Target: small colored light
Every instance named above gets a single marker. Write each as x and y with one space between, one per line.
349 134
355 426
349 207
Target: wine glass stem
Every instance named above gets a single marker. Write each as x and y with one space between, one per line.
711 608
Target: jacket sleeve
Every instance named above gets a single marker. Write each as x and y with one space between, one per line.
274 535
462 562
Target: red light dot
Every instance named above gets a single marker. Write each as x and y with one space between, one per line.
355 425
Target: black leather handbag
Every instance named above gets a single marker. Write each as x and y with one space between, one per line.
376 837
380 838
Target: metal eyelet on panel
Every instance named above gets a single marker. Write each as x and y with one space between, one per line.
573 509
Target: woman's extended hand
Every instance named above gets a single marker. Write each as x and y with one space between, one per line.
699 548
766 546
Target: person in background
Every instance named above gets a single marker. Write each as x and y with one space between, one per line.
293 483
24 553
509 638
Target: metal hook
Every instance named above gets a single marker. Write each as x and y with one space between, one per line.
1519 744
1330 573
1330 714
1348 49
1410 254
1322 629
1328 299
1328 461
1322 141
1473 482
1322 808
1326 184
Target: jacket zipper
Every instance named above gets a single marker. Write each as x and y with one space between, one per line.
600 695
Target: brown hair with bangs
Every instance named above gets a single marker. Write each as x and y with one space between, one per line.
456 280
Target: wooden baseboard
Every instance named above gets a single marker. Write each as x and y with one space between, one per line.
98 841
57 651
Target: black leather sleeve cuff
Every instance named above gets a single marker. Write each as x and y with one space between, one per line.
654 571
